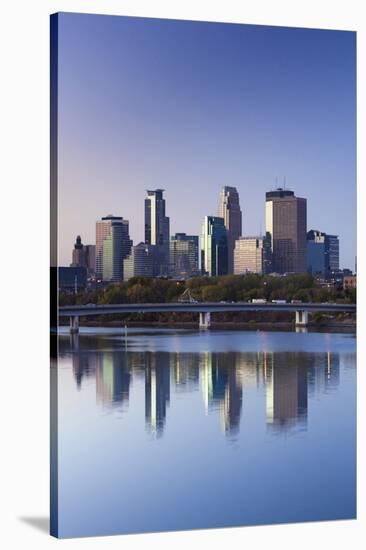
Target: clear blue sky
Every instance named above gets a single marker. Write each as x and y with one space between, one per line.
190 107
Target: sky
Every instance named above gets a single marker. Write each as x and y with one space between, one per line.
190 107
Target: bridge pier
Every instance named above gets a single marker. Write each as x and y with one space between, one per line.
302 318
74 324
205 319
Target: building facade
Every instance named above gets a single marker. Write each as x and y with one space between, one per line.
78 254
322 254
252 255
113 245
184 255
83 255
140 262
90 258
286 228
157 229
229 210
214 250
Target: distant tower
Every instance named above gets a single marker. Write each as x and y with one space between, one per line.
113 245
286 228
157 229
78 254
229 210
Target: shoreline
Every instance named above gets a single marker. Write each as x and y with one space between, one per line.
244 325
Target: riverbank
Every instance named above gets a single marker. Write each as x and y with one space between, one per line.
343 325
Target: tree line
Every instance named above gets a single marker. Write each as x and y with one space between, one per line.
232 288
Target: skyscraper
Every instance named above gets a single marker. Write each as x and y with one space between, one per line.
286 227
322 253
252 255
140 262
157 229
229 210
113 244
184 255
214 253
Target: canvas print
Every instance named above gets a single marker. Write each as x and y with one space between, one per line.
203 275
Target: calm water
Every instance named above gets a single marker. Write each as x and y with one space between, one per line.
181 429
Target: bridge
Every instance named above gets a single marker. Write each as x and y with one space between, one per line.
204 309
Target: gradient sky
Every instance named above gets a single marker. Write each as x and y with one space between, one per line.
191 107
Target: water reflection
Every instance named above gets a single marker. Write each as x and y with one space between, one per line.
157 391
284 380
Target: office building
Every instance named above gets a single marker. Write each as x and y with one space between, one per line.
140 262
83 255
184 255
286 228
229 210
252 255
157 229
113 245
322 253
90 258
214 253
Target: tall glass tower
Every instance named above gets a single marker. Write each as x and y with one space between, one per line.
157 229
214 249
229 210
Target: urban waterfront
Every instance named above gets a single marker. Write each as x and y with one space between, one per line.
179 429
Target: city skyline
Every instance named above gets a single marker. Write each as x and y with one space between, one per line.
281 207
270 103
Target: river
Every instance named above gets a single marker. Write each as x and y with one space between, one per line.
172 429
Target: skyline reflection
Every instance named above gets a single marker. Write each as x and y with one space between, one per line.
285 378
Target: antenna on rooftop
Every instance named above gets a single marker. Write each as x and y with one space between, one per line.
284 182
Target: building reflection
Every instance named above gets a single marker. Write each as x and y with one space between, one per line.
222 388
285 380
157 391
286 390
185 369
324 375
113 378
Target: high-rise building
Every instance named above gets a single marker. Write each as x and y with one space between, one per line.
286 227
332 253
184 255
229 209
252 255
113 244
90 258
214 253
157 229
83 255
140 262
322 253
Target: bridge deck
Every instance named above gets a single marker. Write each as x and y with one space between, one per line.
199 307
